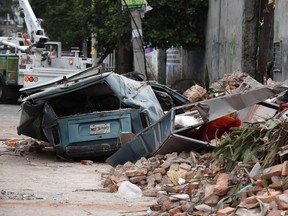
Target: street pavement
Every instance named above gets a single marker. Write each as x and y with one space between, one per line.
9 120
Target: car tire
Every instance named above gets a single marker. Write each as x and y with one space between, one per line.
2 90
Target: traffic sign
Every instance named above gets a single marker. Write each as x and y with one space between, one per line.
134 4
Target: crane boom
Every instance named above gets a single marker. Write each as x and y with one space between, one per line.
35 31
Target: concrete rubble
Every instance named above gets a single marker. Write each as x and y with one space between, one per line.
194 183
191 183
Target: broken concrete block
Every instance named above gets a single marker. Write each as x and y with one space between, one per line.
226 211
129 190
282 201
221 187
137 179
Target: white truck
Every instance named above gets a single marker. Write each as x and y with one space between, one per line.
21 67
28 61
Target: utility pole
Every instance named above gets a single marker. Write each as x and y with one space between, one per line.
137 9
138 50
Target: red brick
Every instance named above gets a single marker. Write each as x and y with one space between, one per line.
150 181
268 198
86 162
150 193
128 165
137 179
107 182
221 187
251 200
166 205
285 169
175 211
185 167
158 177
159 170
226 211
282 201
272 171
274 213
136 172
113 188
259 183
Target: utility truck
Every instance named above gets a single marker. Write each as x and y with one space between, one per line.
22 66
33 59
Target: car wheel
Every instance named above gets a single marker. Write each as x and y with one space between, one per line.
2 91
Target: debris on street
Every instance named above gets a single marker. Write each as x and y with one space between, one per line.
22 146
221 152
245 174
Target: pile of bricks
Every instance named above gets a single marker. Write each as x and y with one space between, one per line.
192 184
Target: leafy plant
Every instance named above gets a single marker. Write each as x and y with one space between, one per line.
259 141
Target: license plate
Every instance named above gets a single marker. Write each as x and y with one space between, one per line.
100 128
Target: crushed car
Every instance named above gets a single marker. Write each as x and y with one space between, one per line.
82 114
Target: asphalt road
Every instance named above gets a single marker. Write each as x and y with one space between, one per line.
9 120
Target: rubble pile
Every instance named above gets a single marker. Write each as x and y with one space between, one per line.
192 184
249 179
229 83
22 146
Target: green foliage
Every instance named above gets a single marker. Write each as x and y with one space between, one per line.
260 141
6 8
169 23
64 21
176 23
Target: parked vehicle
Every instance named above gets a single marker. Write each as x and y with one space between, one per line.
27 60
83 114
20 67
